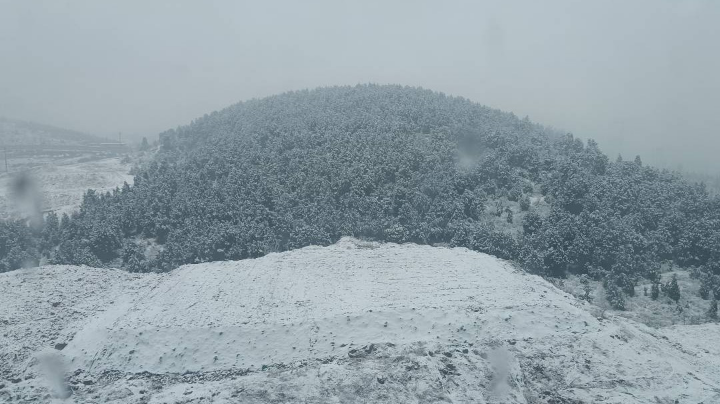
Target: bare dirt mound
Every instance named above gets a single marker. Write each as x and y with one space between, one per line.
353 322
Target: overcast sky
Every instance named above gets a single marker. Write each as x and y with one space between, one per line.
638 76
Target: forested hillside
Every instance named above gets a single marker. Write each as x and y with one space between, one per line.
387 163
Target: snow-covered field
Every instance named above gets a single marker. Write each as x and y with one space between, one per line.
353 322
60 185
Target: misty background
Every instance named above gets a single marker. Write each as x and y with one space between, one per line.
641 77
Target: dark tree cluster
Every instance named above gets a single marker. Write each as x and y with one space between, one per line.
18 246
394 164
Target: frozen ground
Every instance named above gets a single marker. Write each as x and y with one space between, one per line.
353 322
662 312
61 184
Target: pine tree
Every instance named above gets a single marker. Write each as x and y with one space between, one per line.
587 289
655 291
515 194
51 231
714 283
672 289
614 296
532 222
525 203
627 284
64 222
499 208
712 312
705 287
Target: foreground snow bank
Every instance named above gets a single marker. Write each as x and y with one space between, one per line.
353 322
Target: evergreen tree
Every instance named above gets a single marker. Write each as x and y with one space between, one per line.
587 289
532 223
715 286
525 203
705 287
712 312
499 208
672 289
133 258
626 283
64 222
655 290
614 295
50 233
18 246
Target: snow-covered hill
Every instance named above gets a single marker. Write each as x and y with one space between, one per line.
353 322
16 133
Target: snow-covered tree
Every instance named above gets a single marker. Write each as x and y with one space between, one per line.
672 289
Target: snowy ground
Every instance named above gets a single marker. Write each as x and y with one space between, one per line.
662 312
353 322
61 184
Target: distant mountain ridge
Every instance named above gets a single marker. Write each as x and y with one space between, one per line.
22 133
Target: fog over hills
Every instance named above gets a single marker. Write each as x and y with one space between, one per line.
638 77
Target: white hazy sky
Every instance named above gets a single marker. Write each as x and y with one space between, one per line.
641 77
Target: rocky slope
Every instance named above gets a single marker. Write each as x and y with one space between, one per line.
353 322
